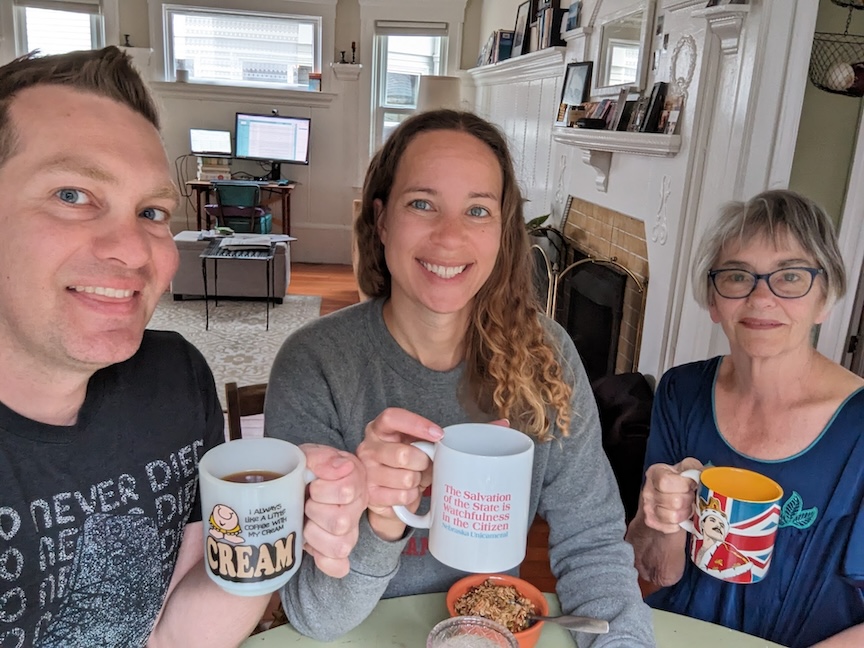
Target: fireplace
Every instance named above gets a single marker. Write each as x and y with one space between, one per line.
589 304
592 278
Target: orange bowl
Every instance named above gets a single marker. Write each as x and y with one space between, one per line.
526 638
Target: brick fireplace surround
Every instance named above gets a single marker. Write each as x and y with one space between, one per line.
601 232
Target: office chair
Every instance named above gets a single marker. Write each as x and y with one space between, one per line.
238 207
243 401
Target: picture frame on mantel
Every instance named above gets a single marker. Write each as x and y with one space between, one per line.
577 83
520 31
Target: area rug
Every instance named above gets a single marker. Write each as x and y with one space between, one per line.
237 346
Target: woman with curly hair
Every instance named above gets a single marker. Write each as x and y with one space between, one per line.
452 333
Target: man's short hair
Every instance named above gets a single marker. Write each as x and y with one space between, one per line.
106 72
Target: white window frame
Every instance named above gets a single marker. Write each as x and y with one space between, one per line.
383 29
168 42
103 16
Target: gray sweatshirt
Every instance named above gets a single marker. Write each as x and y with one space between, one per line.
336 374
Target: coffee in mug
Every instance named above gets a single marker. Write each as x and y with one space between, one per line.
252 498
734 523
252 476
481 489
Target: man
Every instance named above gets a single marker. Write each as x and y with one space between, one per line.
101 423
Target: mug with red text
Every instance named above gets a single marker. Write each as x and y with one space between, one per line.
734 523
481 489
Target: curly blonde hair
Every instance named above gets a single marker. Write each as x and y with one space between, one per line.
512 369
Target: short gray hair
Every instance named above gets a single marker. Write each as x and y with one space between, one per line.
772 214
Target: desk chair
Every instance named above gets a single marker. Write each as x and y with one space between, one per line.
243 401
238 207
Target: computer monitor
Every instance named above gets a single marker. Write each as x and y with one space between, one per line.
272 138
210 143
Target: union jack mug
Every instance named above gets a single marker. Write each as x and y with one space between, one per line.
734 523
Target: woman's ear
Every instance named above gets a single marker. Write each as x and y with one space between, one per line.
712 306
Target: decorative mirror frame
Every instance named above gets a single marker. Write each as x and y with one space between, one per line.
645 41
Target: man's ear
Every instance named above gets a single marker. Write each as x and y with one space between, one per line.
378 210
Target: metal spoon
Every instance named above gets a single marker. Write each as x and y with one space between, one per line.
579 623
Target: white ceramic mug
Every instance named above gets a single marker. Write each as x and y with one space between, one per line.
253 536
481 489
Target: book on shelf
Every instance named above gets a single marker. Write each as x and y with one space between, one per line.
502 46
655 106
549 27
620 105
623 122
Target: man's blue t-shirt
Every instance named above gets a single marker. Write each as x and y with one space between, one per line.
814 587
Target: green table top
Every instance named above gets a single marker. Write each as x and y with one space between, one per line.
406 621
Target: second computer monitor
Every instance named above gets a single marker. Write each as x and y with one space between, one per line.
272 138
210 143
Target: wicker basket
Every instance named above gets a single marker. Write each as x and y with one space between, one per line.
837 63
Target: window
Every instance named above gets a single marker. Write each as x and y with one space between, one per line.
58 26
242 48
404 51
623 57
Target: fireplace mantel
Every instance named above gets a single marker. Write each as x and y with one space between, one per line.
599 145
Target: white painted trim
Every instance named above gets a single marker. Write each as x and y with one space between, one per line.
111 21
216 92
618 141
536 65
346 71
794 86
835 331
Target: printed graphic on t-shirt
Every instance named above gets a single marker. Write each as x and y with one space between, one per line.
90 567
795 515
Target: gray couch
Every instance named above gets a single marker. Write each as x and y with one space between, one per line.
237 277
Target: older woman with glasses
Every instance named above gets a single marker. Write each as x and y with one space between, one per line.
768 271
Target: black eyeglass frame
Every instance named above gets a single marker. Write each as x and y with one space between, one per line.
813 272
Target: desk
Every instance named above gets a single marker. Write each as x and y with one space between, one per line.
215 252
406 621
202 193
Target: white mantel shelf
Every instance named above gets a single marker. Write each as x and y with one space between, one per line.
599 145
542 63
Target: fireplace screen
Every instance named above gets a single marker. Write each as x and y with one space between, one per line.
586 298
590 304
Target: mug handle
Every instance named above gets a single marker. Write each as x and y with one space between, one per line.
409 518
687 525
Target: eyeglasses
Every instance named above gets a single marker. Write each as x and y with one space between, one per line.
786 283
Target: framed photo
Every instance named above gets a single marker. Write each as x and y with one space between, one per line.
574 12
655 106
520 31
671 113
577 81
638 115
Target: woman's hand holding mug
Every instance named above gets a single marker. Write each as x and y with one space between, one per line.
397 473
667 496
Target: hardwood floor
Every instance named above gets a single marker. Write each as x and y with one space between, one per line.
334 283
